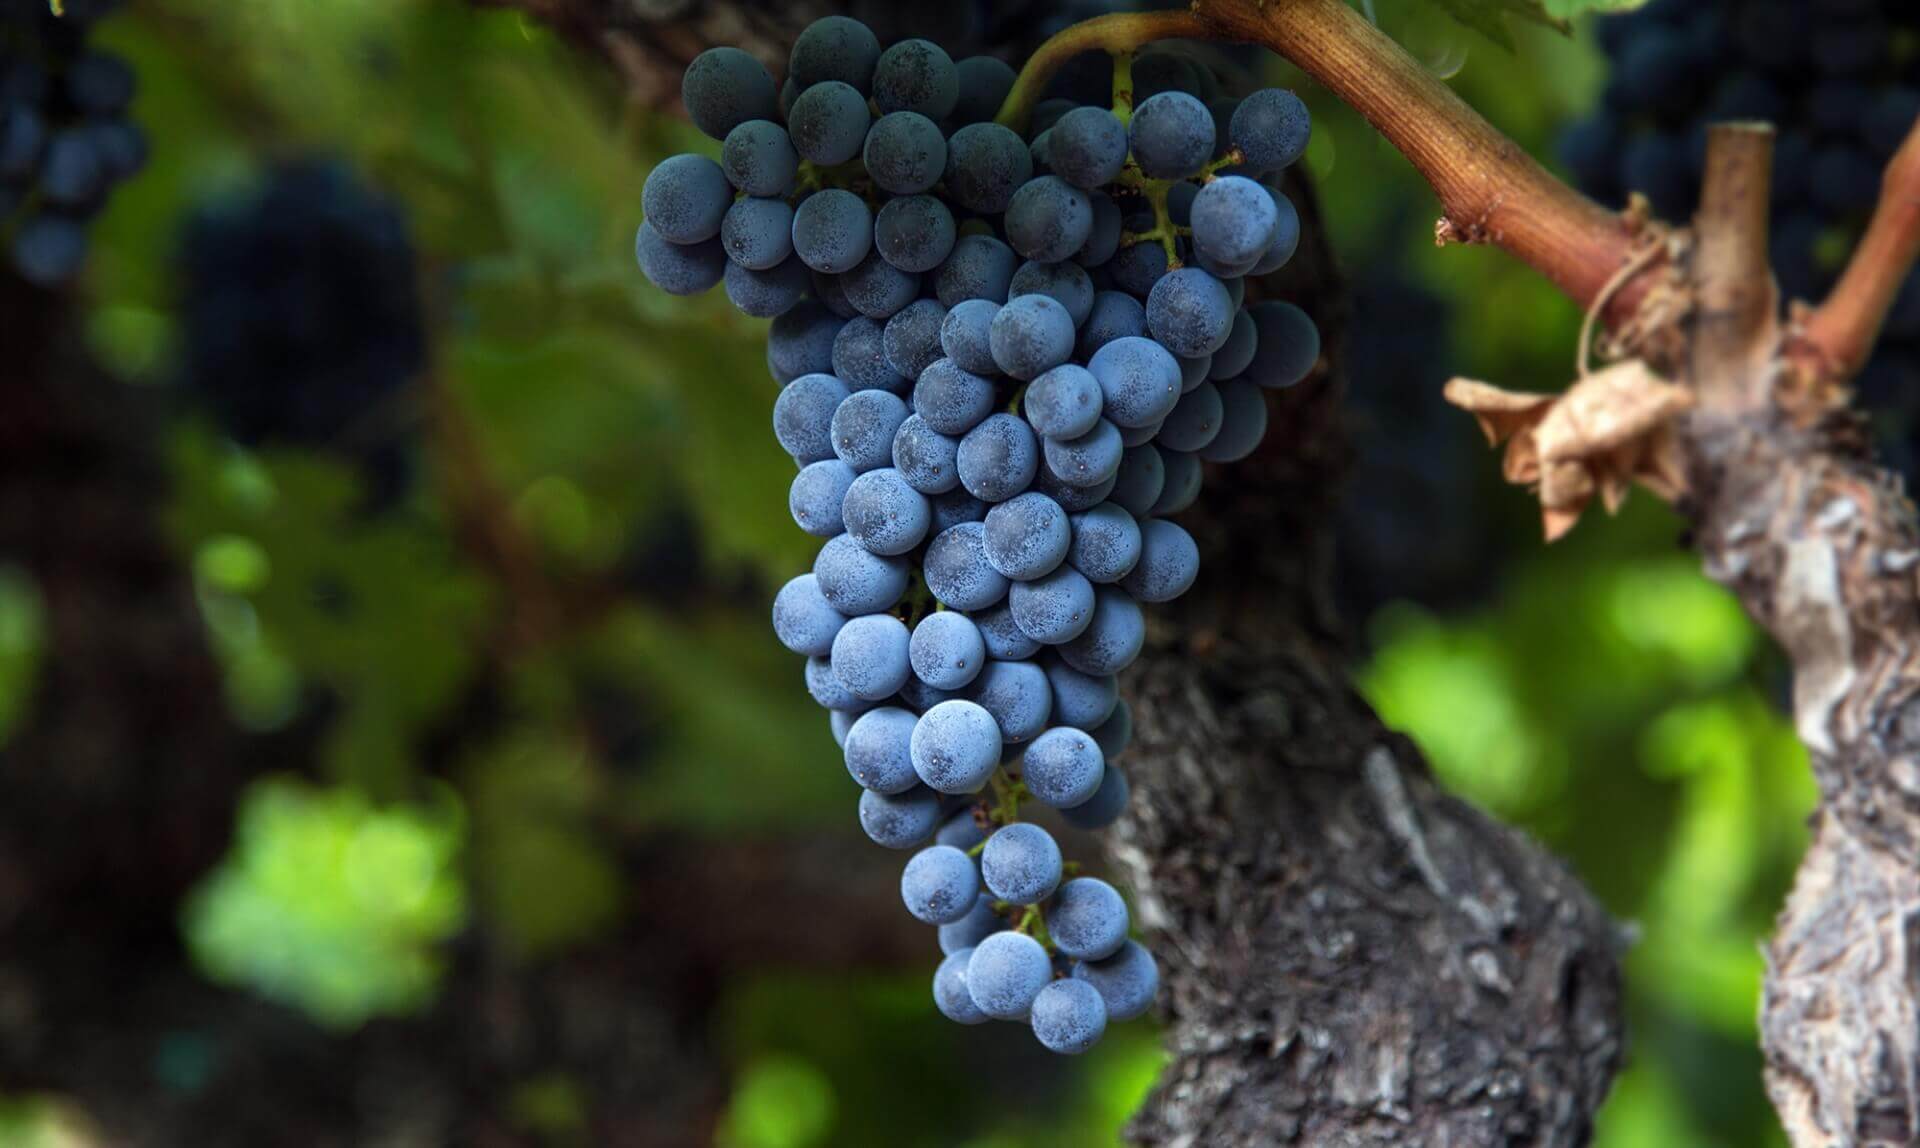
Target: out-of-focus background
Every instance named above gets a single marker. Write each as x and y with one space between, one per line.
384 578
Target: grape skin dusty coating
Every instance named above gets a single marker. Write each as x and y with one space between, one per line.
803 416
939 885
1128 981
965 335
884 513
1089 147
1183 483
857 581
800 342
1052 609
1139 381
946 650
1017 696
1189 312
1031 335
860 357
1048 219
758 158
834 48
1104 238
1234 220
803 619
927 459
685 197
950 993
998 458
1072 499
950 400
1171 135
912 337
980 267
1021 863
986 165
1005 974
958 572
1143 475
1069 1017
766 294
955 747
828 123
1083 701
827 691
1243 422
1116 733
916 76
1236 353
901 821
1115 315
982 922
1195 420
1289 344
1088 919
984 84
758 233
1064 402
1089 460
1169 563
1106 542
951 509
870 656
1271 128
1065 283
1027 536
817 495
832 230
679 269
1113 639
914 233
1005 640
878 756
963 832
905 153
1062 768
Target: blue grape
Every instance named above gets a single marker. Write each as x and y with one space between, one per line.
803 416
1072 499
817 495
950 992
724 88
675 268
1089 460
1286 237
981 922
1127 981
986 164
1083 701
1139 381
1138 266
956 747
1271 128
828 123
1195 420
912 338
1189 312
1243 422
1180 199
958 572
827 691
1193 372
1183 483
758 158
1064 402
946 650
1236 353
905 153
1065 283
914 233
834 48
1017 696
1005 974
758 233
840 723
71 174
950 400
900 821
939 885
1171 135
857 581
884 513
1031 335
803 619
766 294
927 459
1062 768
1131 437
998 458
1004 639
965 333
1021 863
800 342
1048 219
1087 920
984 84
916 76
832 230
860 357
1289 344
953 508
877 289
1054 608
1143 475
1089 147
1069 1017
963 832
1104 238
1026 536
980 267
1113 639
1106 541
1234 220
870 656
1114 735
1169 562
879 757
828 292
685 197
921 697
1105 806
23 135
1115 315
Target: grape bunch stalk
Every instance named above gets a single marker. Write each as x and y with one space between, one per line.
1003 362
65 137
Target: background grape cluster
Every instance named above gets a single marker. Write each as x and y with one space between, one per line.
1004 360
1840 79
65 138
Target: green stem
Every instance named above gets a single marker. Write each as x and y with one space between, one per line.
1121 32
1123 85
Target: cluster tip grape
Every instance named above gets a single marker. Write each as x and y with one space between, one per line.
1003 361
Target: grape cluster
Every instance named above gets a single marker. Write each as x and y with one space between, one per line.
1003 360
65 139
301 317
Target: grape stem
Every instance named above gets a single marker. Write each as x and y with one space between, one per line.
1841 332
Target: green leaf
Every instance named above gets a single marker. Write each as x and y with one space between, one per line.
1568 9
1489 17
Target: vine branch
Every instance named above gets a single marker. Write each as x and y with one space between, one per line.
1843 330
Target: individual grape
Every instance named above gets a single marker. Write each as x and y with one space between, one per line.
965 335
800 342
726 87
678 269
984 83
958 572
1031 335
766 294
1065 283
1107 803
1180 199
998 458
803 620
1089 460
71 174
877 289
1271 128
1169 562
828 123
1087 919
758 233
840 723
803 416
916 76
912 338
1005 974
857 581
914 233
864 427
860 360
1021 863
1131 437
1183 483
685 197
1289 344
986 164
758 158
927 459
1195 420
921 697
1189 312
1053 608
1193 372
1234 220
1069 1017
1016 694
828 292
956 747
946 650
981 267
1005 640
963 831
1114 735
1082 701
1089 147
1113 639
1104 237
1026 536
905 153
1142 477
1286 237
1138 266
870 657
1236 353
899 821
1139 381
1127 981
939 885
1047 113
834 48
884 513
950 400
981 922
950 993
1243 422
953 508
879 758
1106 541
832 230
817 495
1048 219
827 691
1171 135
1064 402
1115 315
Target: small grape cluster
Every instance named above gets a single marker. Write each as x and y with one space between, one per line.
301 317
1003 361
65 138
